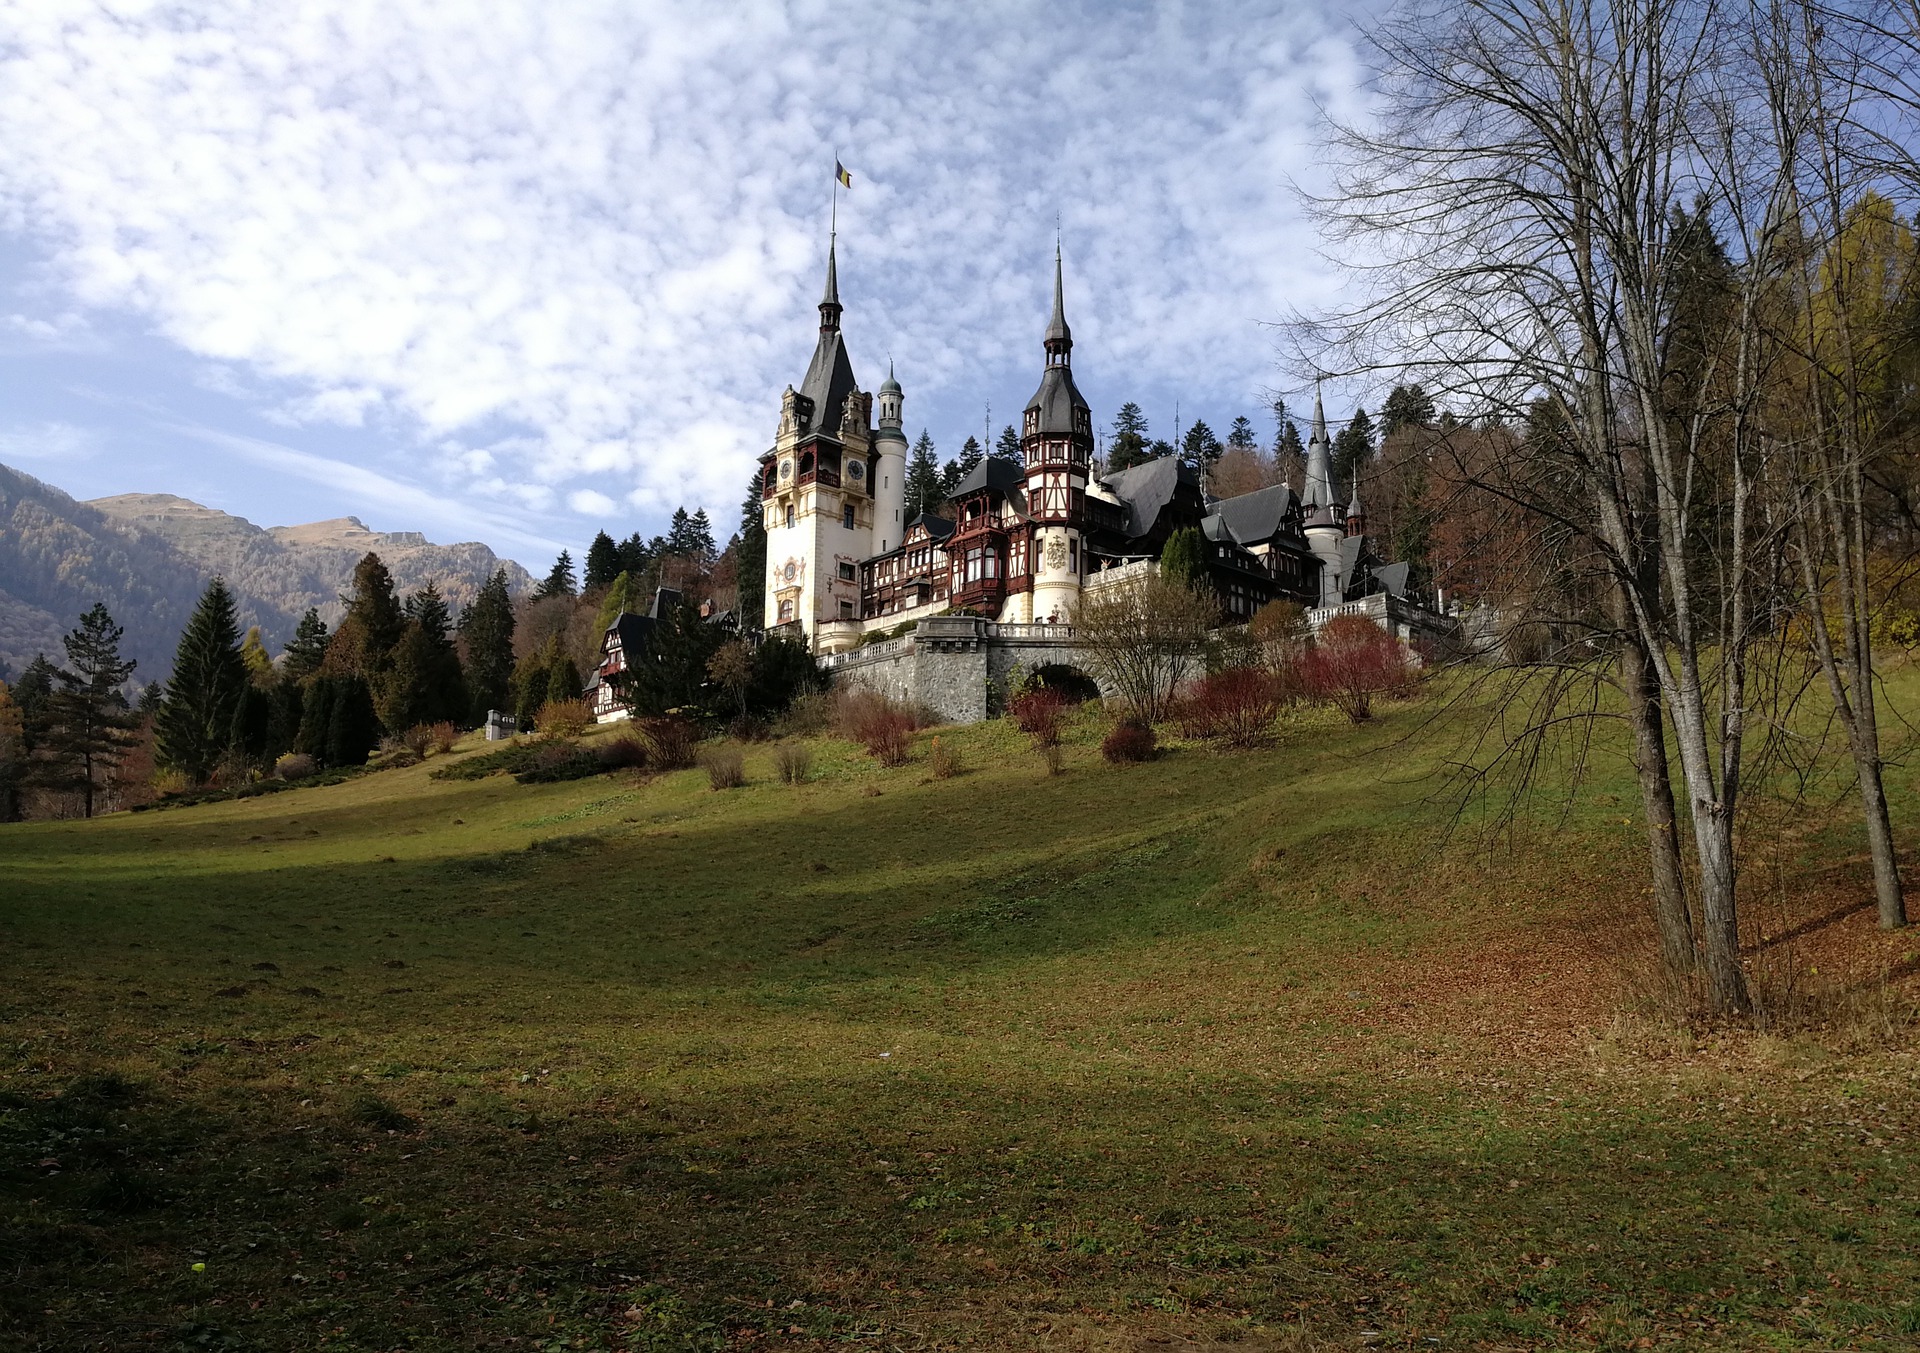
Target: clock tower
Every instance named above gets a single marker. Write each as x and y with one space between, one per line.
1056 444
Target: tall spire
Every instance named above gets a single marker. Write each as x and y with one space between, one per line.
1317 494
830 303
1059 342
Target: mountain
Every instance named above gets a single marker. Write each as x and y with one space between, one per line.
149 555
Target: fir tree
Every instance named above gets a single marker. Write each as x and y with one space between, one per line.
1128 445
1008 447
1407 406
1200 448
434 689
680 533
88 724
375 609
751 584
559 579
1159 447
31 693
563 680
1183 560
1240 437
700 543
672 674
923 478
13 755
487 630
1352 450
634 556
194 728
603 562
304 653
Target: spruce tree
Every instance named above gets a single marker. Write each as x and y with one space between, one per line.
1407 406
1200 448
1240 437
559 579
375 608
88 723
487 630
31 693
13 755
680 533
1128 445
1008 447
752 559
1183 560
633 555
195 725
1352 450
563 680
700 537
303 654
443 694
603 563
923 478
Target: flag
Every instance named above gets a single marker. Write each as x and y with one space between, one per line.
840 172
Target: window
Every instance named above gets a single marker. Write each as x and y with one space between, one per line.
846 516
1073 556
846 610
789 514
846 571
786 611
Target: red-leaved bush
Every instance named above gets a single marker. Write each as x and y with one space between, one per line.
670 740
1353 661
1041 714
882 725
1236 707
1130 740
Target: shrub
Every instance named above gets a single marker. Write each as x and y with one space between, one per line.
443 736
564 718
170 782
809 714
628 751
295 766
552 761
881 724
1236 707
418 739
1040 713
1054 756
1352 661
670 740
792 761
726 767
1130 741
943 760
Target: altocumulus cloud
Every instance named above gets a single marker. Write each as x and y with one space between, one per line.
569 251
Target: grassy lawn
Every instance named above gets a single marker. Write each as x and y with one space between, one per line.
1220 1050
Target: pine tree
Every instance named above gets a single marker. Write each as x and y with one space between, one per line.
1352 450
31 693
603 562
88 724
563 680
634 556
1008 447
487 630
923 478
559 579
751 584
1184 558
1240 437
194 728
304 653
1407 406
438 691
13 755
700 536
1128 446
680 533
375 609
1200 448
1158 448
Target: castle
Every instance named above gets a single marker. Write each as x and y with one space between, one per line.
1025 539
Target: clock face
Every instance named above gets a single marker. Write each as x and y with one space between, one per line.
792 570
786 469
857 470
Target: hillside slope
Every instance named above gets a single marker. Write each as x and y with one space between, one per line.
148 557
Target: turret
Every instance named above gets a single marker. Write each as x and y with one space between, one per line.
890 470
1356 522
1322 530
1056 443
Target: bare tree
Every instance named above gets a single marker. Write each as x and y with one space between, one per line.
1143 635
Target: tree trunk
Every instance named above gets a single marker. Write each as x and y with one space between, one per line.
1670 908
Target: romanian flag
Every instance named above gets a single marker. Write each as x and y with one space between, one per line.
840 172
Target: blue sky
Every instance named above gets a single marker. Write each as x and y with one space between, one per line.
518 272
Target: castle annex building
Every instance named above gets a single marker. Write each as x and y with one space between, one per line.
1023 540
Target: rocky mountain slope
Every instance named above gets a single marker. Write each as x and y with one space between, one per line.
148 556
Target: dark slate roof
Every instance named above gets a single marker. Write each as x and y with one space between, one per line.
829 381
1147 488
1249 518
1351 548
938 528
993 472
633 631
1057 399
1393 577
664 600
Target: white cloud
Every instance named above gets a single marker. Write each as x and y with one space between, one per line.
52 441
591 503
579 244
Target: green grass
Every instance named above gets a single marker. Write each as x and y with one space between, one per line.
1196 1050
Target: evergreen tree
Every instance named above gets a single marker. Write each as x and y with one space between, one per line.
309 646
634 556
531 677
1158 448
1128 445
923 478
1184 558
253 656
1407 406
680 533
617 601
195 725
1200 448
751 576
1352 450
351 728
559 579
430 687
1008 447
603 562
375 609
487 630
563 680
31 693
700 537
1240 437
88 724
673 672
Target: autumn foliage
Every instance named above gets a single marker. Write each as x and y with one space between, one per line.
1351 663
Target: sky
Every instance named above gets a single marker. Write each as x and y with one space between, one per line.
518 273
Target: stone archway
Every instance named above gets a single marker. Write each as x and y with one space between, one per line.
1068 680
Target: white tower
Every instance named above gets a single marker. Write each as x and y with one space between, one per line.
1324 532
889 471
1057 442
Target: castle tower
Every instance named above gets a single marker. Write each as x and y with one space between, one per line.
1323 530
1356 522
890 470
816 490
1057 444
